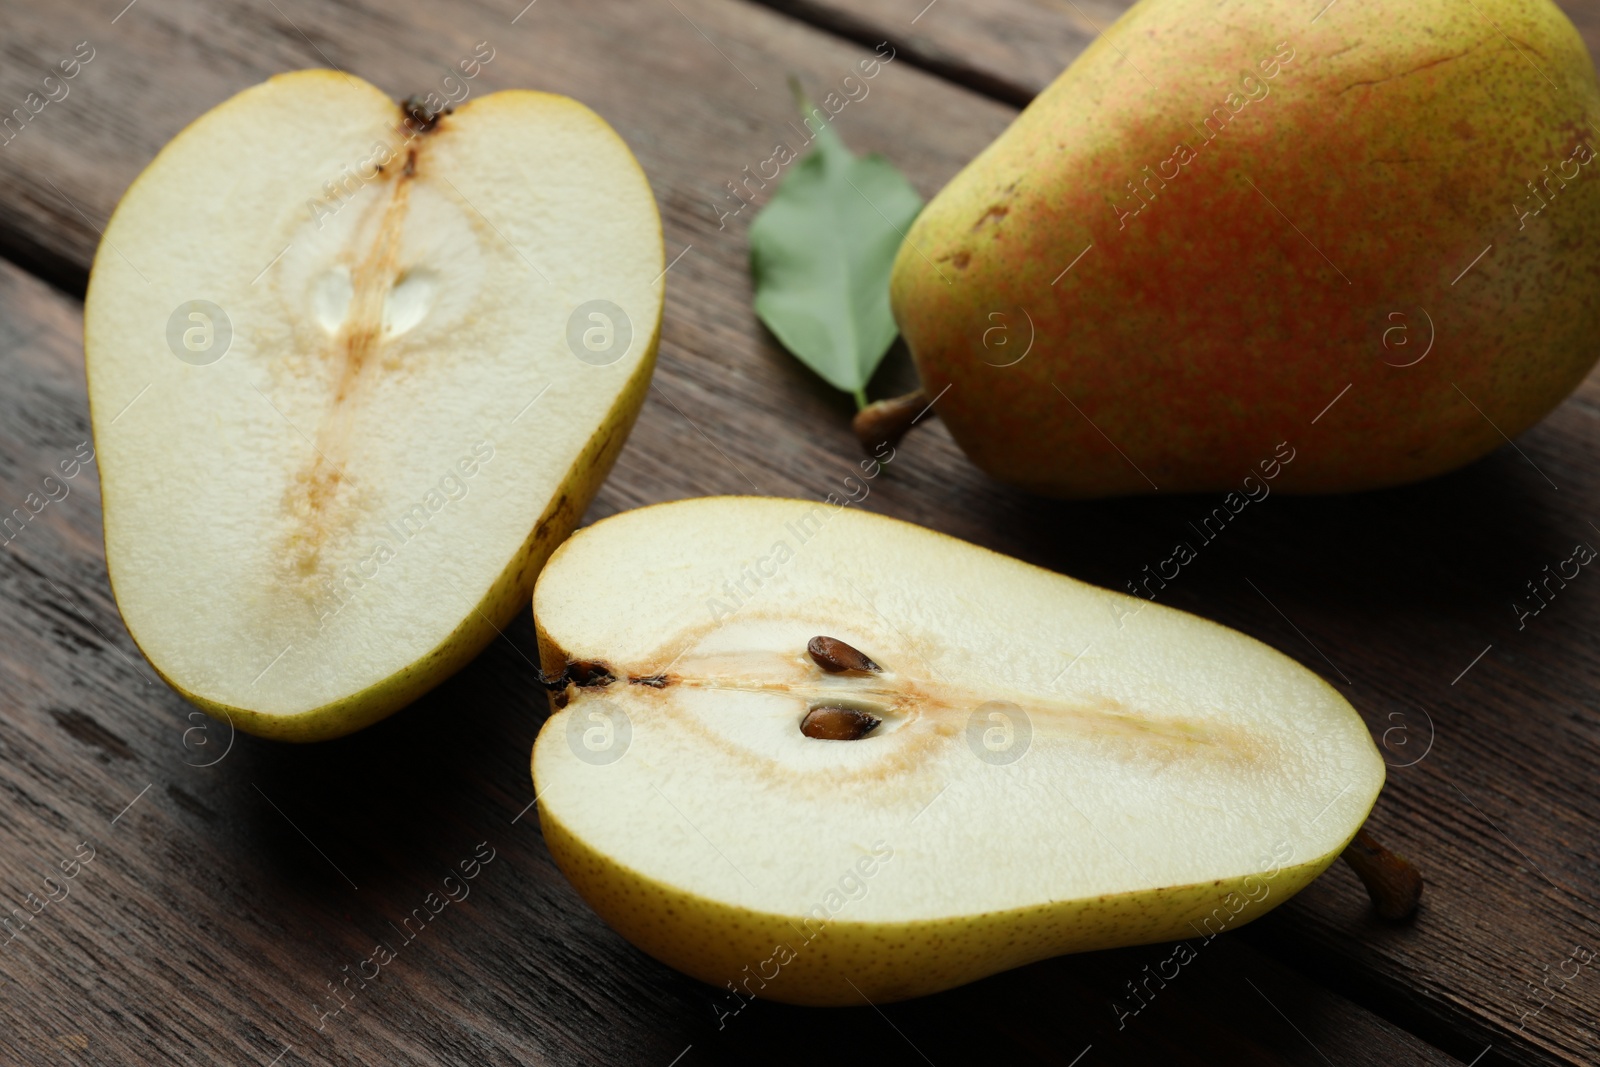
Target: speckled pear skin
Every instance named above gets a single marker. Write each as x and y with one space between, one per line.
837 962
1319 236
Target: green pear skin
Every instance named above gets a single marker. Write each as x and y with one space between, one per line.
1368 237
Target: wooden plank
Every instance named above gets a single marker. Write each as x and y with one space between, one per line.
1006 49
217 891
1011 49
1400 589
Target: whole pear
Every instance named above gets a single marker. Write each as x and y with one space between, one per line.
1366 237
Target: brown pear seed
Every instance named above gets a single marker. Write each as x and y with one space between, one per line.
836 657
1393 882
829 723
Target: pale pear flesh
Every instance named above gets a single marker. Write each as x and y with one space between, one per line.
339 413
1057 768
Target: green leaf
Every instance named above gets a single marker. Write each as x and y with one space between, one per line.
821 252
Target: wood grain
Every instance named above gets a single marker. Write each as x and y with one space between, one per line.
1005 49
1011 49
208 923
231 881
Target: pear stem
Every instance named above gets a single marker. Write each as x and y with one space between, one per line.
1393 882
884 422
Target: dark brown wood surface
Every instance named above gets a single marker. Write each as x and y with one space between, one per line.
217 907
1011 49
222 903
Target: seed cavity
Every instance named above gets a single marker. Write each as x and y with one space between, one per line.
331 295
831 722
409 300
836 657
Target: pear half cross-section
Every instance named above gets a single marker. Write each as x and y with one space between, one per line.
355 369
822 755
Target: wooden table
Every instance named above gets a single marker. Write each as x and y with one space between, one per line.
222 902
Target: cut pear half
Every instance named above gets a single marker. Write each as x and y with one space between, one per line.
981 765
355 370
